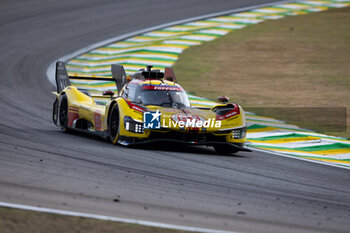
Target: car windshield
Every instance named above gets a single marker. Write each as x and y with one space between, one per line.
164 98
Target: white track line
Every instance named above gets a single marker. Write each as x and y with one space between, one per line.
109 218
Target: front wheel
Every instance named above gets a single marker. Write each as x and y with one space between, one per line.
113 124
225 149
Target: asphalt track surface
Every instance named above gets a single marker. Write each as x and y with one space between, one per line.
42 166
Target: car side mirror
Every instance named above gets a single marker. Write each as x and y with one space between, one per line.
223 99
138 100
108 92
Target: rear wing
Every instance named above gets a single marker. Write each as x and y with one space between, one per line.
119 75
169 74
63 79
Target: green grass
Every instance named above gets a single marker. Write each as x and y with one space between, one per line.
292 63
20 221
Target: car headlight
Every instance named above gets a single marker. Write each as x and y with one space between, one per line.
239 133
133 126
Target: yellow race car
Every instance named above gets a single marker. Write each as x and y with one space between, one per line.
148 106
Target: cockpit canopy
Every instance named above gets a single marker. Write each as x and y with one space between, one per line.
160 95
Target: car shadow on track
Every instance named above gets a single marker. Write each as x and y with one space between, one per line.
161 147
181 148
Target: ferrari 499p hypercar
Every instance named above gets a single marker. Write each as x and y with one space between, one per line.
148 106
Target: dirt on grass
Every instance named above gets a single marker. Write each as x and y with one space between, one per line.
296 62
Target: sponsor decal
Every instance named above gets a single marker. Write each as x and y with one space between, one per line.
184 117
135 107
151 120
233 112
98 122
161 88
73 114
170 110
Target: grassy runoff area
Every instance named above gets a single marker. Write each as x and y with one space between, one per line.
20 221
294 69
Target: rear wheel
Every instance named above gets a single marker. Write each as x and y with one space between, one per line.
63 112
113 124
55 112
225 149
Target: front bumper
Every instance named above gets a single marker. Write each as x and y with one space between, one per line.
128 141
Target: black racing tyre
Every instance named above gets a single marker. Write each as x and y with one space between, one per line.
55 112
63 113
225 149
113 124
